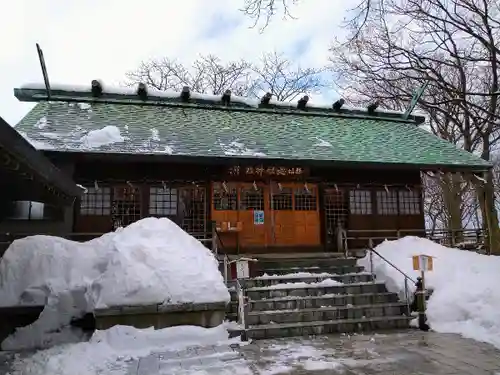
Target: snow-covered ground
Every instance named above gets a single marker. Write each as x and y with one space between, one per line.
152 261
466 297
111 351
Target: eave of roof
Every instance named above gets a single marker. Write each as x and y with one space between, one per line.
251 161
23 152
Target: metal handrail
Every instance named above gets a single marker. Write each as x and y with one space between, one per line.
242 309
242 298
406 277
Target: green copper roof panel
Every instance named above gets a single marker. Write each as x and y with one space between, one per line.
199 131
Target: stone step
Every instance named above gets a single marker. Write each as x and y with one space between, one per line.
318 289
267 280
287 255
270 331
318 269
309 302
264 264
326 313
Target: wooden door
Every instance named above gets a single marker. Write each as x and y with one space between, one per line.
252 199
294 215
282 223
306 215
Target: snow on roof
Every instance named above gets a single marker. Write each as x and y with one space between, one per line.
166 94
102 137
171 94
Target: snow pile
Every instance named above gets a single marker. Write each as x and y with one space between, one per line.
102 137
110 351
466 297
151 261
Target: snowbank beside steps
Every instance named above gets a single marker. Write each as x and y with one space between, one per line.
150 261
466 297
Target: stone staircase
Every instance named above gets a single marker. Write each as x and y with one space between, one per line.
312 295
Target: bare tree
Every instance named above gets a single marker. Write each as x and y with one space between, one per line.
274 73
267 10
207 75
397 45
286 81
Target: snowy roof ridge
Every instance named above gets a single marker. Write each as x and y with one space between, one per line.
35 92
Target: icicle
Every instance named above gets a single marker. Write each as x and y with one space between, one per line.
280 187
255 186
306 188
96 186
386 189
336 188
164 185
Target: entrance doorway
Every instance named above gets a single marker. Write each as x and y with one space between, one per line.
294 214
126 206
336 213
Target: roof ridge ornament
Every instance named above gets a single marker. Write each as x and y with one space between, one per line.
44 69
417 94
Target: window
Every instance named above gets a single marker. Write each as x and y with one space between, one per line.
387 202
305 200
29 210
252 199
162 201
282 199
96 201
409 202
225 197
360 202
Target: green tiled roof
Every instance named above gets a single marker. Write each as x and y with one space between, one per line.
208 132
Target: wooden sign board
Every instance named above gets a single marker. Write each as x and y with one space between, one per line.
423 263
261 171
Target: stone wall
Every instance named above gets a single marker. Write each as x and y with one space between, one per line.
159 316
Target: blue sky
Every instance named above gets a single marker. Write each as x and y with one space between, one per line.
85 40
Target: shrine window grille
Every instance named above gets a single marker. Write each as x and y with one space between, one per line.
96 202
387 202
360 202
305 199
252 198
225 197
282 199
409 202
163 201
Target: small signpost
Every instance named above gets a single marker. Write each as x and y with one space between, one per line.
422 263
258 217
242 269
